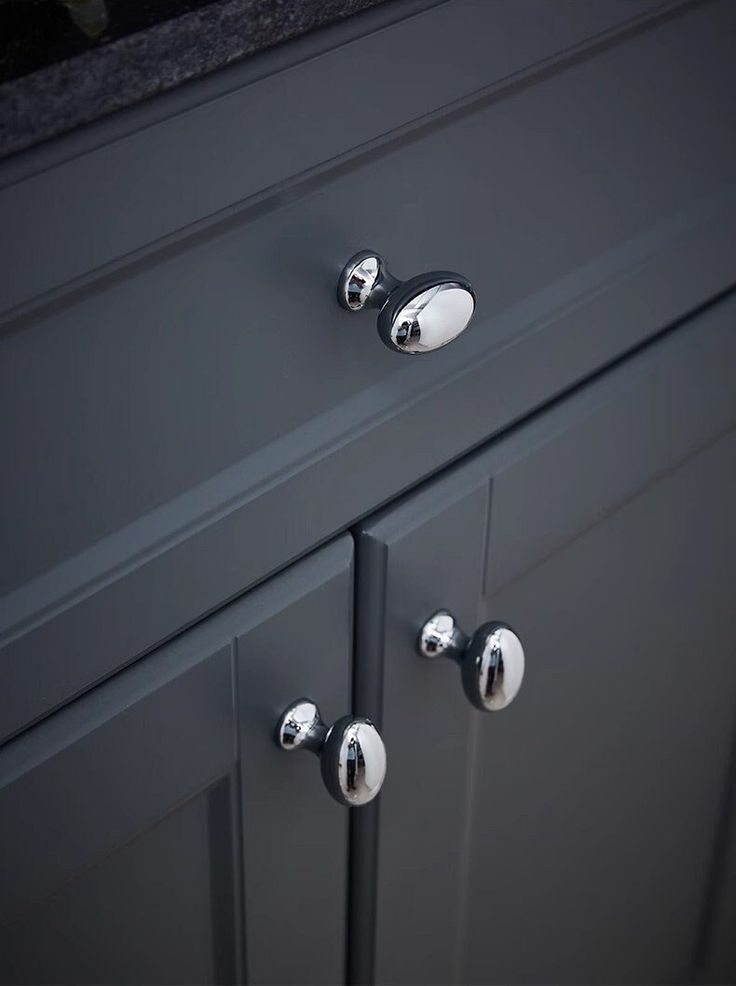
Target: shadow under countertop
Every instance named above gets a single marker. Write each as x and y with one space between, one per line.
64 63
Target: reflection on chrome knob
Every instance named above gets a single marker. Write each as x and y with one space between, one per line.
491 661
351 752
414 316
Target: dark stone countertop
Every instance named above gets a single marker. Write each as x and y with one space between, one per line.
64 63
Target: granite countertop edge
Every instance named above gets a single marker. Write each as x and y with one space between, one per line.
79 90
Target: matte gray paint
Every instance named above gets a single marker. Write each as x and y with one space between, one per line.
223 147
128 818
717 954
595 207
185 407
164 378
295 835
567 839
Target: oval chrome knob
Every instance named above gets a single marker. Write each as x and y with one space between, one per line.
414 316
351 751
491 661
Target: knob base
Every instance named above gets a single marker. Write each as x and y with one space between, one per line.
300 727
365 282
442 637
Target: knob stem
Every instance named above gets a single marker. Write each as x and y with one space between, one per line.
442 637
301 727
365 282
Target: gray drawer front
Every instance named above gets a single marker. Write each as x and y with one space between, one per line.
148 174
546 842
165 419
152 832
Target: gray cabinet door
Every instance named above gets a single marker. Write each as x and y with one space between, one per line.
151 832
567 838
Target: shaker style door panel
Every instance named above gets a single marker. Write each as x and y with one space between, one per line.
123 818
566 838
117 846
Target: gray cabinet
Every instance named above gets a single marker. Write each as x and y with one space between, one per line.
569 837
152 831
193 433
177 380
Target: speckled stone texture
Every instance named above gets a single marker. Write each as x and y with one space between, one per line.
91 85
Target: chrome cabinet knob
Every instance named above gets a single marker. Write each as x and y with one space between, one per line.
351 751
414 316
491 661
